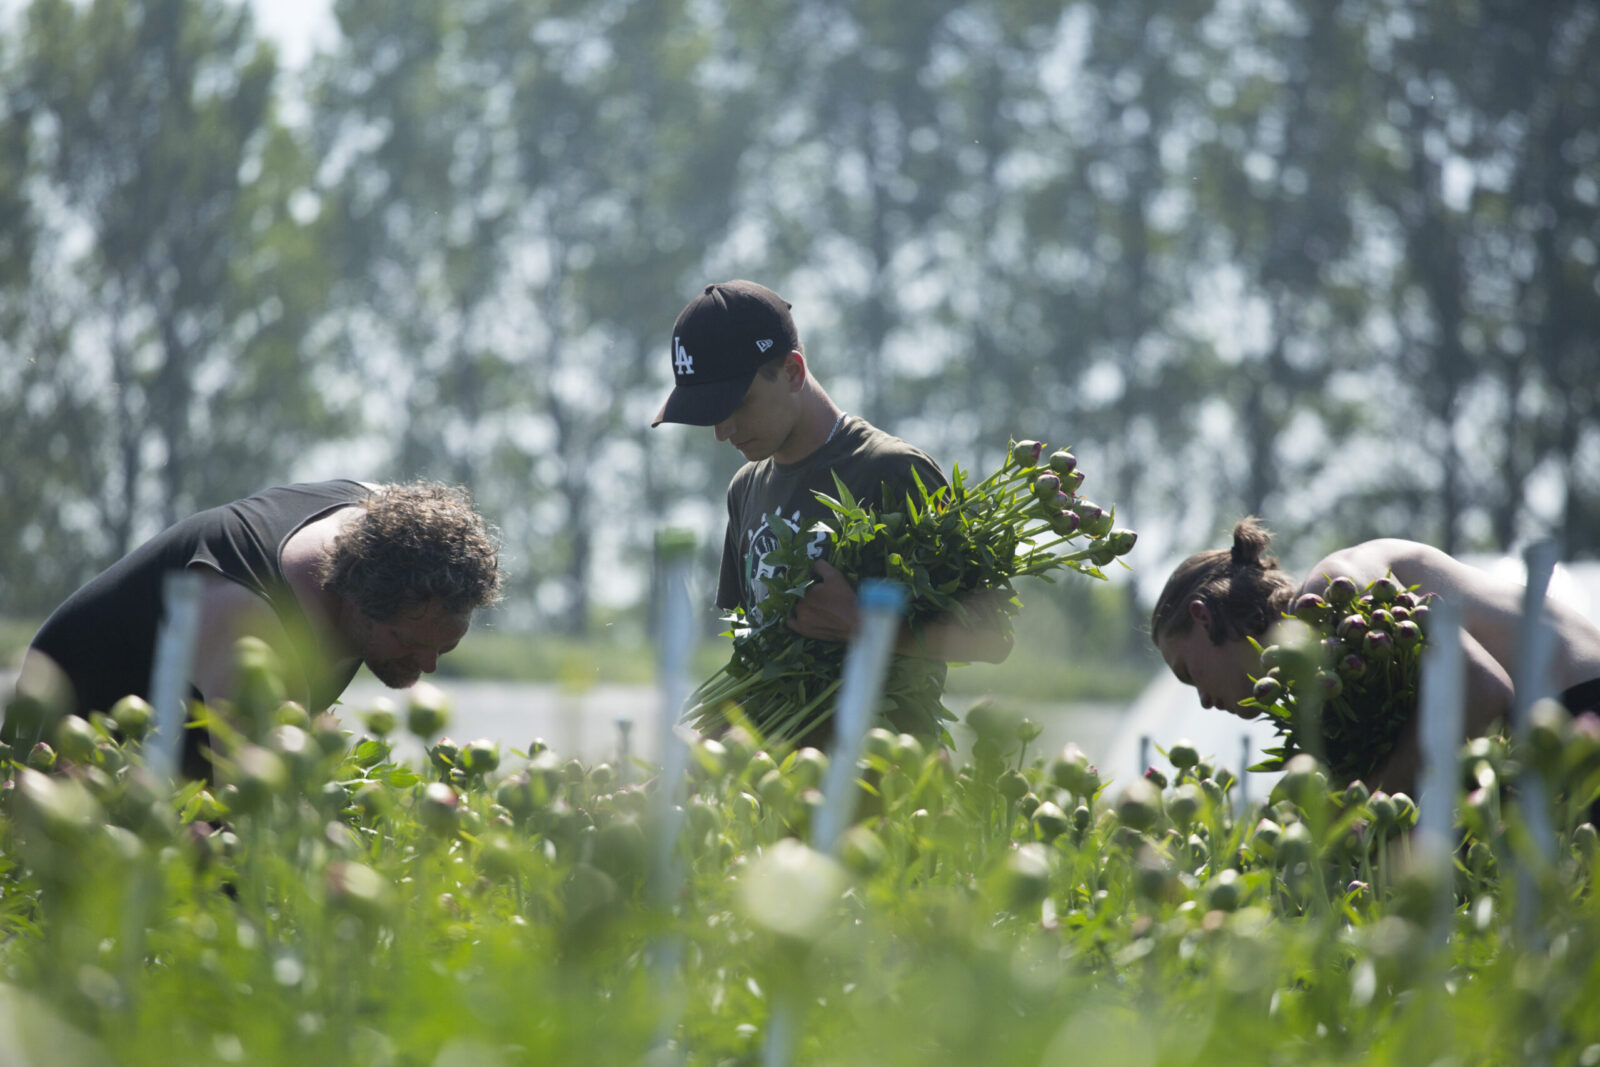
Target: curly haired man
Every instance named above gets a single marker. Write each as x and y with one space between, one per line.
330 575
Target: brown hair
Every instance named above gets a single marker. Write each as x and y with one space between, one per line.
1244 588
415 544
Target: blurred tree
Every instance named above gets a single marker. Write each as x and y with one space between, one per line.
860 150
1276 189
169 287
46 431
524 189
1489 167
1540 197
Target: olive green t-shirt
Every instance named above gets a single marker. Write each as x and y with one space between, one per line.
875 466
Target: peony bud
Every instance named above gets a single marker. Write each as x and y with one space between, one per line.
1311 609
427 711
134 717
1341 592
1385 590
1352 628
1267 690
1096 520
1025 454
1063 462
1046 486
1121 541
1065 523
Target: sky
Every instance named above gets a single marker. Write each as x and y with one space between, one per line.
298 26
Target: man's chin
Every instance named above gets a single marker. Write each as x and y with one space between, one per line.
394 679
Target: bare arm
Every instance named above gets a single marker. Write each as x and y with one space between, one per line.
229 611
983 638
1488 700
828 611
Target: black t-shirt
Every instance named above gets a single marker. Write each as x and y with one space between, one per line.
875 466
104 635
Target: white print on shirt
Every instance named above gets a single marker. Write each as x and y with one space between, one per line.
758 573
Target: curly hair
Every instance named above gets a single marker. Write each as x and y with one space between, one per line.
1244 588
415 544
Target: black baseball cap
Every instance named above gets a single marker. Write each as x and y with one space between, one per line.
720 340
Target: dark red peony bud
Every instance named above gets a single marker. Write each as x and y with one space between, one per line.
1096 520
1311 609
1341 592
1065 523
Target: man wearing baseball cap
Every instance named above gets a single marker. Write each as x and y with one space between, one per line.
738 366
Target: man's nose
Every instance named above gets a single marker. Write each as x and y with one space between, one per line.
724 430
427 662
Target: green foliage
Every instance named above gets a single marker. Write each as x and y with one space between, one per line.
956 549
505 906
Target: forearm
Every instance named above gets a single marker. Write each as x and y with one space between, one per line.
1487 700
947 639
979 633
1488 688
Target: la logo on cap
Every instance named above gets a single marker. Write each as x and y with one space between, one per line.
682 362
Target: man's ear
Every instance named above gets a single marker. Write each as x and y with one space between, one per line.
1200 613
794 369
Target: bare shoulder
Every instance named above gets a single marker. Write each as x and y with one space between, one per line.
1411 562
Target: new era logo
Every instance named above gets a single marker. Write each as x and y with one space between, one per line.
762 346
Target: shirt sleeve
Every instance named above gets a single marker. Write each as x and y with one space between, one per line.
730 586
899 479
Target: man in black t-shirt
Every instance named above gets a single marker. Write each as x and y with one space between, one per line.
330 575
738 366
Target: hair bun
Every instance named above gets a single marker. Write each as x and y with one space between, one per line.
1250 543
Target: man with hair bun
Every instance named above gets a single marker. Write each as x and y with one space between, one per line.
330 575
1215 600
